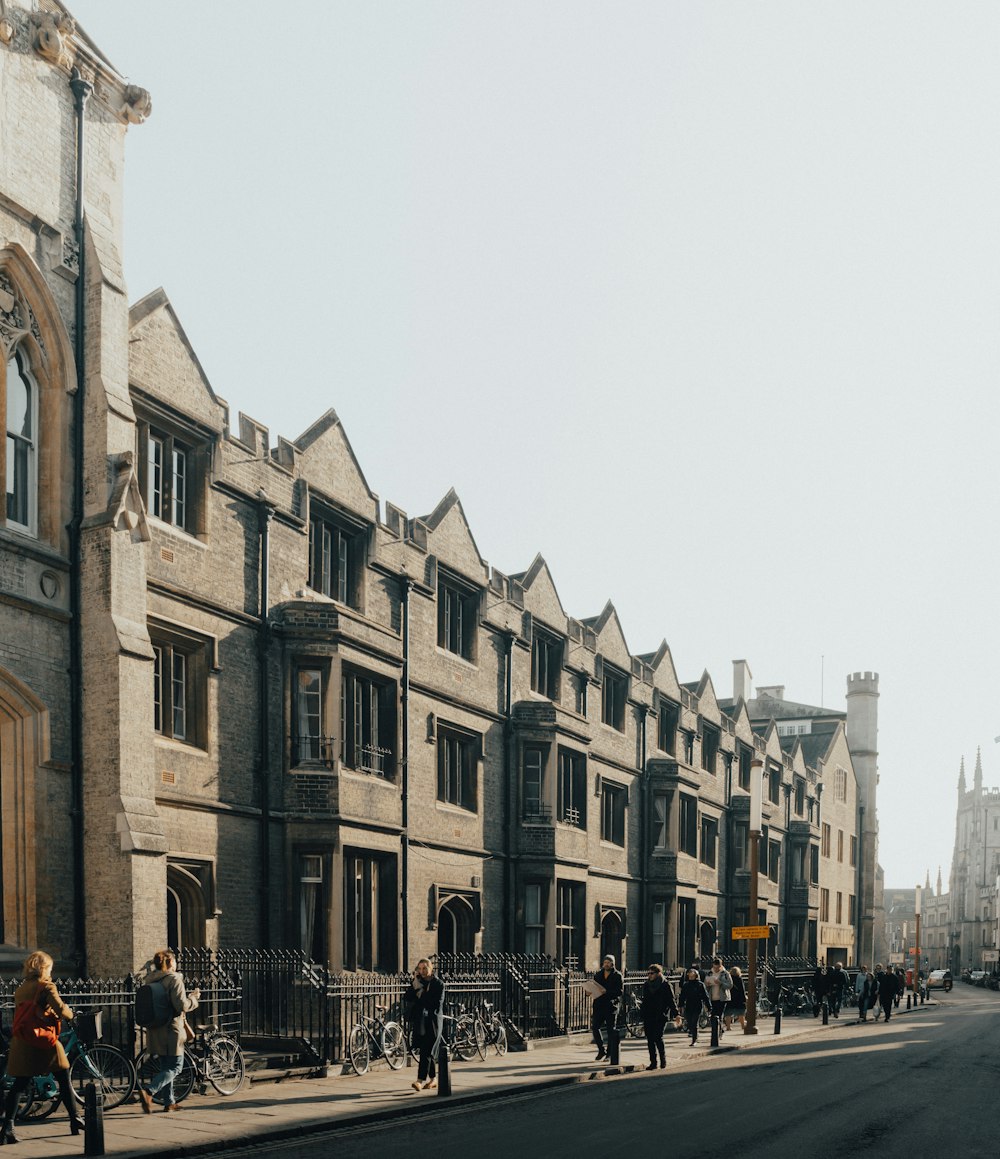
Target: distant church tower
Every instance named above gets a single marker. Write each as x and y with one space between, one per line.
975 864
862 737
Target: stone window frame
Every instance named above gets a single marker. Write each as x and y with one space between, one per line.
178 435
668 719
708 840
348 585
458 788
539 925
547 652
19 359
320 749
378 722
572 788
171 640
614 696
614 806
687 825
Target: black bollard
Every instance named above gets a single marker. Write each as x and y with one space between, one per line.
908 996
777 1019
93 1120
715 1030
826 1013
444 1072
923 995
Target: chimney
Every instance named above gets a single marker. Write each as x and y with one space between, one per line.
774 691
742 680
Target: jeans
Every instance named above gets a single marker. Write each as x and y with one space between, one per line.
163 1080
606 1016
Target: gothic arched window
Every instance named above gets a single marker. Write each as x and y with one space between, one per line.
22 436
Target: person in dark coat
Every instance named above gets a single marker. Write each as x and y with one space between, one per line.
694 998
867 989
887 990
657 1006
838 989
425 1000
605 1012
737 1005
37 1004
166 1042
822 984
880 985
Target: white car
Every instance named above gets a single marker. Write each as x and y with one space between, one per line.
939 980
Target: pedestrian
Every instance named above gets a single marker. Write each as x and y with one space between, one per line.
166 1042
425 999
863 991
605 1012
879 980
694 998
822 983
887 991
737 1007
900 984
719 984
657 1006
35 1048
838 988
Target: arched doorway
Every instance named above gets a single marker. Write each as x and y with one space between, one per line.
706 938
187 909
456 926
612 936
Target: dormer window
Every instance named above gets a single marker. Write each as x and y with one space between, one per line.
458 613
172 473
336 556
546 663
614 695
21 471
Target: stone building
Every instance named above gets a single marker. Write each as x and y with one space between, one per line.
244 702
975 874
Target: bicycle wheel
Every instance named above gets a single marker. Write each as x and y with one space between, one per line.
464 1043
500 1038
479 1037
393 1045
109 1069
357 1049
704 1020
147 1065
633 1022
39 1100
224 1066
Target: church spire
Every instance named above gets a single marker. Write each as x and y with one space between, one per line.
927 884
961 777
939 882
977 779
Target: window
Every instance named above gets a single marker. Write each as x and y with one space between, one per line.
840 907
367 723
814 865
458 761
709 840
336 557
745 757
824 905
688 837
825 838
661 804
773 860
312 908
851 910
840 784
458 608
614 692
370 918
533 784
572 808
689 747
180 669
800 797
170 473
21 470
854 850
798 853
546 663
658 948
774 785
840 845
534 919
709 747
308 740
741 845
667 719
762 846
613 798
580 694
570 932
686 920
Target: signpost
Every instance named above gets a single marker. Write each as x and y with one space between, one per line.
750 933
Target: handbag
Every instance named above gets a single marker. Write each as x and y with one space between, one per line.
36 1025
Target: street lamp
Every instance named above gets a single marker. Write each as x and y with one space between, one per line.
916 948
756 823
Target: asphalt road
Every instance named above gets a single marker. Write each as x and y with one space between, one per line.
923 1085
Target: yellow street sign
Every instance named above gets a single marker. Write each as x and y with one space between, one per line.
750 932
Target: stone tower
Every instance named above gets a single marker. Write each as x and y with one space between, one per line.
862 737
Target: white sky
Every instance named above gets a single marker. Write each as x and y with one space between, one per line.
697 299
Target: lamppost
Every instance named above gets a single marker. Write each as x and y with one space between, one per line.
916 948
756 823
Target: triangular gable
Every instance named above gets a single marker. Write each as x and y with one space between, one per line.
450 539
708 703
664 672
738 714
610 637
163 364
541 597
327 462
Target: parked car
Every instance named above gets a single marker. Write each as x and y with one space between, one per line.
977 977
939 980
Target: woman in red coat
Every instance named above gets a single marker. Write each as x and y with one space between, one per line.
35 1048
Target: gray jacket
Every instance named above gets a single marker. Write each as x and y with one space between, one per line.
168 1041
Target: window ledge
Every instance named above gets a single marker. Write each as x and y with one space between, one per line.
179 746
158 524
457 810
370 778
313 767
457 657
606 844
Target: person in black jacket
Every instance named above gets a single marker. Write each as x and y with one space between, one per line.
606 1010
887 989
424 999
841 984
657 1006
693 999
822 984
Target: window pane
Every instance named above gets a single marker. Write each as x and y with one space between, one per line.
178 513
309 713
154 476
18 400
178 693
157 688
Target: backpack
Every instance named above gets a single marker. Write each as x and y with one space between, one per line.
153 1006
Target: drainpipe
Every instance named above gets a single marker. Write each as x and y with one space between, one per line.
265 513
508 813
81 91
860 950
404 779
644 834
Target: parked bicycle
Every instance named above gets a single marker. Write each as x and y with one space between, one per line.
493 1026
213 1059
630 1018
373 1038
463 1035
90 1061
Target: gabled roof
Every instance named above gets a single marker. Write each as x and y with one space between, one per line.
606 622
452 504
539 571
315 433
158 300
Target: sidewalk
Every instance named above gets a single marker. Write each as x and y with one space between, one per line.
295 1106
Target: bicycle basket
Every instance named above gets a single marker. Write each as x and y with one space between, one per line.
88 1025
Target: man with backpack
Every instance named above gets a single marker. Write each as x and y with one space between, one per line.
160 1005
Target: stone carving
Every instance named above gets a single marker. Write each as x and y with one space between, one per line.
138 105
71 255
52 33
125 506
16 319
